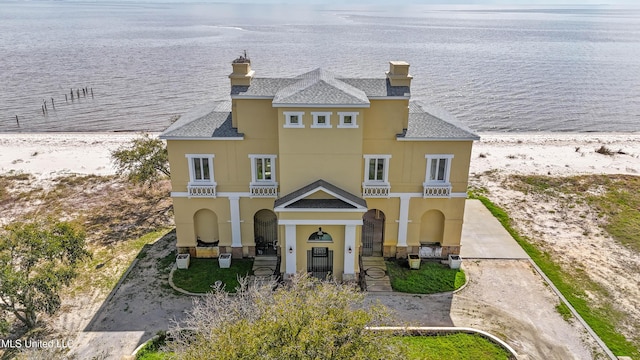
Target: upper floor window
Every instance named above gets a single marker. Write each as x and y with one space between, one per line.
348 120
438 168
200 168
263 168
321 119
293 119
376 169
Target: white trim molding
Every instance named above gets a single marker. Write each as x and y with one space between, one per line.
327 118
319 222
202 187
313 191
447 170
288 115
377 188
262 187
354 120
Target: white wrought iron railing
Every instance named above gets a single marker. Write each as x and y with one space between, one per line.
264 190
208 190
378 190
436 190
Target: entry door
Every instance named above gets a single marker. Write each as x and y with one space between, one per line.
372 235
320 262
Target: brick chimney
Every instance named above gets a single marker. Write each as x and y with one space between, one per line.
242 73
398 73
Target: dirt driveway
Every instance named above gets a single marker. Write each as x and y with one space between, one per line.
508 299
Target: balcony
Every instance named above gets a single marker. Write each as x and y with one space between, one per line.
375 190
264 190
202 191
436 190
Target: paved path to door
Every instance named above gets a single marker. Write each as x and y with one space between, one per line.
375 274
483 237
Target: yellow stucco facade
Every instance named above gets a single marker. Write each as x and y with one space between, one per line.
350 159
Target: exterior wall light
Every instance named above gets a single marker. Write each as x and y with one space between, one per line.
290 249
349 250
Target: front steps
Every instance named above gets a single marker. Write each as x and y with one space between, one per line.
375 274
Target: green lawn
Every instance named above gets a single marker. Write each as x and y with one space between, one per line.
203 273
451 347
432 277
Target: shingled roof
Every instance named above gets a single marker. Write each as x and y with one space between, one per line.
319 86
211 120
344 198
427 122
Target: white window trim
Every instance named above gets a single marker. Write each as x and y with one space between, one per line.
354 117
254 175
192 177
447 171
287 119
327 115
368 157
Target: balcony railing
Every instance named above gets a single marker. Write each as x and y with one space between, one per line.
208 190
264 190
376 191
436 190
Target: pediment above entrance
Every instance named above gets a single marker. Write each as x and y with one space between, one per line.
320 196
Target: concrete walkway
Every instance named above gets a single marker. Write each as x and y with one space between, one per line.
264 266
375 274
483 237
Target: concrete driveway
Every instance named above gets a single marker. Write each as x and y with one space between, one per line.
483 237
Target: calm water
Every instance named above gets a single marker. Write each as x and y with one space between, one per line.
519 69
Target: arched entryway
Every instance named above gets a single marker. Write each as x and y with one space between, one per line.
372 232
432 227
265 232
205 223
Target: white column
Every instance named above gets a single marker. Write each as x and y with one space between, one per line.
290 243
234 205
403 222
349 243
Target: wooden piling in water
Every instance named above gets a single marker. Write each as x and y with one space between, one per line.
65 98
78 93
52 104
92 93
43 113
45 105
17 121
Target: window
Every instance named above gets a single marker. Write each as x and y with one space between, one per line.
321 119
348 120
200 168
438 168
376 169
263 168
293 119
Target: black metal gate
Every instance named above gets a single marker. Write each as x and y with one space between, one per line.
367 237
320 262
266 235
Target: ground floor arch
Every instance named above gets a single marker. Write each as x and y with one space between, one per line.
205 223
432 227
265 232
373 232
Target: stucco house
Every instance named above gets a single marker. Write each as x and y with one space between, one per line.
318 169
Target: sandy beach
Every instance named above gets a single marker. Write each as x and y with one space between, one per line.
51 154
570 230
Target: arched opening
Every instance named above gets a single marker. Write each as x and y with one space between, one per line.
205 224
373 232
320 236
432 227
265 232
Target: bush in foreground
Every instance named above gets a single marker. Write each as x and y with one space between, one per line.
304 319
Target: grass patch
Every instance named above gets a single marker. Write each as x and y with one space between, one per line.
571 285
564 311
203 273
432 277
451 347
153 350
109 263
